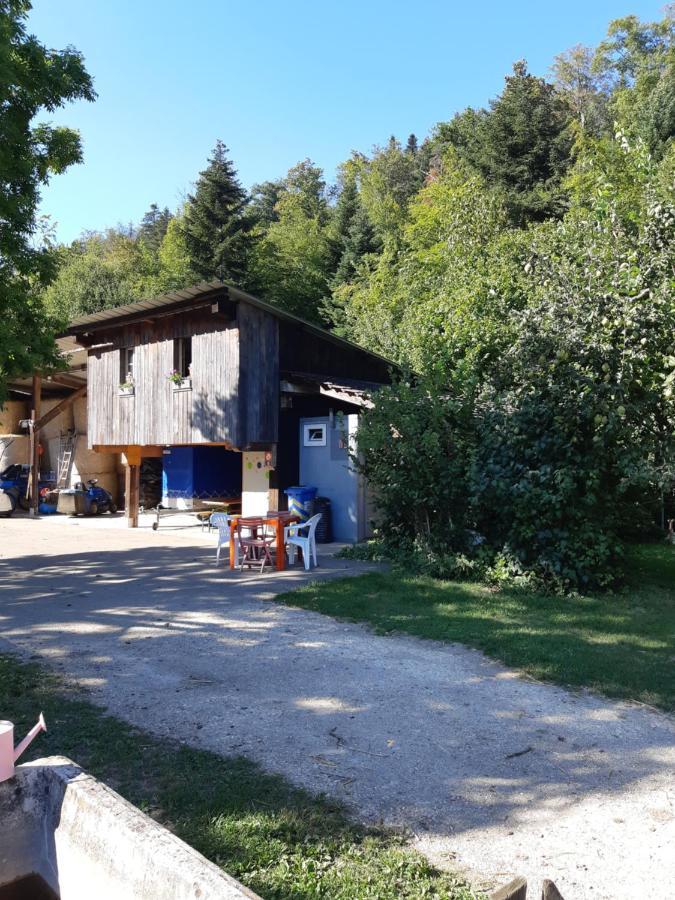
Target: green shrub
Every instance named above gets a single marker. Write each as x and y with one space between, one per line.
543 431
415 447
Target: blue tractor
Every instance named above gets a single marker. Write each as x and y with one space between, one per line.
14 488
86 500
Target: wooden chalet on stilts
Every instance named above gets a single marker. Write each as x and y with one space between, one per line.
230 390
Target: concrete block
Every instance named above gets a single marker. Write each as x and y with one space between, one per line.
83 838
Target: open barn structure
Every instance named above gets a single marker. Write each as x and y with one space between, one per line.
229 392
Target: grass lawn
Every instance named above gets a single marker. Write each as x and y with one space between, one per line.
280 841
621 644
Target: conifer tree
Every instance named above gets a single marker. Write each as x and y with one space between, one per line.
217 231
527 146
354 233
353 237
264 199
521 145
153 227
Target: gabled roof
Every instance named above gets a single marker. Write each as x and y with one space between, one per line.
183 298
186 298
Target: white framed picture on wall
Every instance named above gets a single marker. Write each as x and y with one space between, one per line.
314 435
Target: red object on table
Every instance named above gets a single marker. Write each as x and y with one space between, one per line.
279 521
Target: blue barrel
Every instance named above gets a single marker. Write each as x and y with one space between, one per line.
301 500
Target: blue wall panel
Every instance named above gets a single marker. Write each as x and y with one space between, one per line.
328 469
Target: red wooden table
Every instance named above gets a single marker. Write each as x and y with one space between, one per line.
278 521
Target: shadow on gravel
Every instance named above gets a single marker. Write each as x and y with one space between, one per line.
468 742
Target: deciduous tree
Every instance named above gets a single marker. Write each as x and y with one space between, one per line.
638 59
33 81
292 258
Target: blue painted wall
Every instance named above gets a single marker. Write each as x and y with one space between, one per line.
190 472
328 469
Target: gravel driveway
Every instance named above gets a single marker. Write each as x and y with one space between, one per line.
491 773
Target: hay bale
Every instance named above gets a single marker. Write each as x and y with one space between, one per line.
85 460
80 415
51 453
11 414
63 422
14 448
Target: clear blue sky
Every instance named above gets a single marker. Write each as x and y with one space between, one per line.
279 81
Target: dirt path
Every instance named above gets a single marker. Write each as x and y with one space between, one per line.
491 773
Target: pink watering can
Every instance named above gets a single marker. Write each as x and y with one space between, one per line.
8 754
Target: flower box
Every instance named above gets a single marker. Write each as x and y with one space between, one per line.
185 384
127 390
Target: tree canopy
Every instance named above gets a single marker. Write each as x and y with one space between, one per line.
517 263
33 81
521 145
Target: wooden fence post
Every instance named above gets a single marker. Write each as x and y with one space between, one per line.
514 890
33 486
549 891
132 484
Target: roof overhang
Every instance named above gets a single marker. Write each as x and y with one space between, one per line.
60 381
347 390
85 328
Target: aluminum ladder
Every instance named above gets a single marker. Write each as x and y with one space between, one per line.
66 451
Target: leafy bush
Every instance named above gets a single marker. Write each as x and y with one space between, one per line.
414 445
419 558
547 434
545 494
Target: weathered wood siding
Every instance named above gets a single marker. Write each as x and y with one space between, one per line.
302 351
235 382
258 374
236 367
156 413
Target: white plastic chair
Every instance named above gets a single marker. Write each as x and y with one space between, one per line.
306 542
223 523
